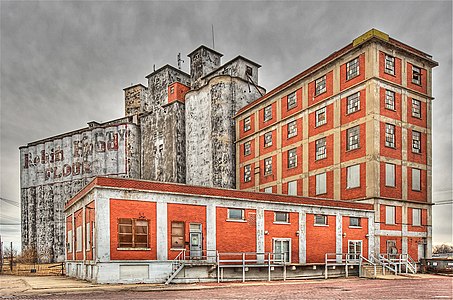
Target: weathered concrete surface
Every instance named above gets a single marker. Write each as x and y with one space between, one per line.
203 61
133 99
55 169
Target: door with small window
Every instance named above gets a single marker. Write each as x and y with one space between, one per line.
354 250
392 251
282 250
196 241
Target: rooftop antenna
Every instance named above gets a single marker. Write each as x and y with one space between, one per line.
213 44
154 68
179 60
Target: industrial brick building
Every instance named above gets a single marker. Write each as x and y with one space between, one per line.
342 152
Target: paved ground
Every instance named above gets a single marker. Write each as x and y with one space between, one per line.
416 287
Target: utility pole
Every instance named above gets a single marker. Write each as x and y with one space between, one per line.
11 260
1 255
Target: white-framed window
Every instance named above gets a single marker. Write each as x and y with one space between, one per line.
416 179
268 190
390 99
268 166
353 135
282 250
321 116
88 236
353 176
292 188
281 217
352 68
389 65
390 135
292 158
247 148
416 108
416 217
416 142
320 85
79 239
320 220
354 221
291 101
247 173
321 151
268 139
416 75
390 175
236 214
69 241
390 214
267 113
353 103
292 129
321 184
247 123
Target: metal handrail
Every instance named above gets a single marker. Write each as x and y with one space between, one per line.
362 258
386 263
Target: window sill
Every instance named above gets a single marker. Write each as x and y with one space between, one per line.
320 93
319 125
355 76
133 249
394 75
416 117
419 191
394 148
355 227
417 153
177 249
349 150
290 168
234 220
354 187
390 186
321 225
393 224
281 223
417 84
265 175
324 193
352 112
318 159
291 108
267 146
391 109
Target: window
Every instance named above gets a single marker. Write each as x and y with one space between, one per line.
416 109
79 239
172 90
291 101
292 129
416 75
389 65
282 250
88 236
320 85
268 190
353 103
69 241
390 215
268 139
248 71
235 214
132 233
321 151
247 173
389 99
292 158
177 235
416 142
353 135
320 220
416 180
390 135
292 187
267 113
352 68
353 176
416 217
390 175
281 217
247 124
247 148
354 221
321 117
321 184
268 166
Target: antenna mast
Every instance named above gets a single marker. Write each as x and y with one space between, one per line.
179 60
213 44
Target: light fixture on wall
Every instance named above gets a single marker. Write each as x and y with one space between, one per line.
266 232
344 234
297 233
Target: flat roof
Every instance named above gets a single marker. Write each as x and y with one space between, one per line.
178 188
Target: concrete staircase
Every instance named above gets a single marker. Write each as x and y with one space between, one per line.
368 270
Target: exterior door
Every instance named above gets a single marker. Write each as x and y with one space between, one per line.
354 250
281 250
421 251
196 241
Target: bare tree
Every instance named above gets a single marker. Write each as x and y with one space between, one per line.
444 248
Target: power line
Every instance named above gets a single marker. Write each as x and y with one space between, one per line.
16 204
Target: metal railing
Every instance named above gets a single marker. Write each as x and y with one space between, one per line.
388 263
341 259
369 261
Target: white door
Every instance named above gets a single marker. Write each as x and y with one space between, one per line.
421 251
354 250
281 250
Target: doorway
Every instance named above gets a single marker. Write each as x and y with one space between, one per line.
354 250
281 250
196 241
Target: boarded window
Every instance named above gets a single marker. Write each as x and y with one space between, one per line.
235 214
390 135
247 148
416 180
321 184
292 129
268 139
352 68
281 217
79 239
353 176
416 108
320 85
390 214
132 233
390 175
292 101
416 142
321 117
292 158
321 151
267 113
69 242
416 217
247 124
353 103
177 235
292 187
389 99
268 166
353 135
88 236
247 173
389 65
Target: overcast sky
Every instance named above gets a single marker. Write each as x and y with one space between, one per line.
65 63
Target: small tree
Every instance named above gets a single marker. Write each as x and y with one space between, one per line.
28 256
444 248
7 251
